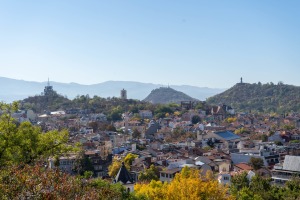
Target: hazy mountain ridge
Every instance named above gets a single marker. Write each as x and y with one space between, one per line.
260 97
164 95
12 89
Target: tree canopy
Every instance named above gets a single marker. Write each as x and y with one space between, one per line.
116 164
188 184
25 143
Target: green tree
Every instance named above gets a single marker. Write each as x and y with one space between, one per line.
238 182
116 113
256 163
196 119
83 164
25 143
260 186
149 174
136 133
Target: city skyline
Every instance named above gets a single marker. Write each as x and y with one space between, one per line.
206 44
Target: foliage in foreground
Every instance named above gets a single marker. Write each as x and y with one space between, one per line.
186 185
25 143
262 189
37 182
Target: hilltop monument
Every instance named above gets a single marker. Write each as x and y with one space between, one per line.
48 91
123 94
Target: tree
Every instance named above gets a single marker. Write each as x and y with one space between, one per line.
114 167
238 182
186 185
136 133
150 174
94 126
278 143
260 185
25 143
37 182
116 113
111 127
176 113
129 158
196 119
289 127
83 164
256 163
116 164
230 119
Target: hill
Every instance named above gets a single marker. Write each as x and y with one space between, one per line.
259 97
12 89
164 95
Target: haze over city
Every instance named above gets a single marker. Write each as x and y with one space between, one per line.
200 43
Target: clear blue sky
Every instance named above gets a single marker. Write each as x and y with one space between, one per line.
202 43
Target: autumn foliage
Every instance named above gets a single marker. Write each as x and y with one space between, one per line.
38 182
187 185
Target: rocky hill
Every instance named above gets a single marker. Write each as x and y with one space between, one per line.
259 97
164 95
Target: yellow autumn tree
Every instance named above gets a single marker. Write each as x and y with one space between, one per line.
114 167
177 113
116 164
230 119
187 185
154 190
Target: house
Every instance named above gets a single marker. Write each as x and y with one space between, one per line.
99 164
240 167
267 153
276 137
229 139
224 178
168 175
145 114
65 163
224 166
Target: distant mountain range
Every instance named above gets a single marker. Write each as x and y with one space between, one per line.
259 97
164 95
12 89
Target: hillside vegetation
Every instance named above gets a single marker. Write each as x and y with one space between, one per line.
259 97
165 95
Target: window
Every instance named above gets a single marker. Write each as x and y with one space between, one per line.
226 178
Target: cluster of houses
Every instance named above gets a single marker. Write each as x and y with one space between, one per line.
224 147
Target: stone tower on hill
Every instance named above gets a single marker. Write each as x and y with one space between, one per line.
123 94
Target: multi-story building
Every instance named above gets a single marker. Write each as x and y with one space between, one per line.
287 170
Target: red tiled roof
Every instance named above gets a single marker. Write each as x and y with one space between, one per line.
244 166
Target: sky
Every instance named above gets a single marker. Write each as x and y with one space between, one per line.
201 43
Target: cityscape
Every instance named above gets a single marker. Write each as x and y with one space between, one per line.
150 100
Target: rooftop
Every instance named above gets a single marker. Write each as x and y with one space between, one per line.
227 135
291 163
